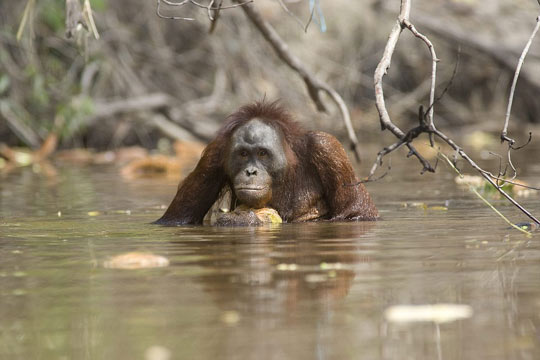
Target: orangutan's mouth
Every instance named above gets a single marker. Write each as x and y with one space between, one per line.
250 188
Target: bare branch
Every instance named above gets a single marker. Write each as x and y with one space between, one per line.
220 8
434 61
484 174
514 82
291 14
296 18
214 18
381 70
27 14
426 123
314 85
182 3
210 4
171 17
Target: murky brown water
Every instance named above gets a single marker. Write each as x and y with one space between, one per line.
304 291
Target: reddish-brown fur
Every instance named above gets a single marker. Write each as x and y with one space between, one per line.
315 186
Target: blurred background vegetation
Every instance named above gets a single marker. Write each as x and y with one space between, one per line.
148 78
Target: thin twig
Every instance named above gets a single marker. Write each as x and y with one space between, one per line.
26 14
171 17
291 14
215 17
482 198
296 18
171 3
210 4
434 61
222 7
484 174
514 82
87 12
311 19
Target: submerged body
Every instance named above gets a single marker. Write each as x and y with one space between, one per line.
268 160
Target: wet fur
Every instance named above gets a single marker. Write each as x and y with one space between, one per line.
314 186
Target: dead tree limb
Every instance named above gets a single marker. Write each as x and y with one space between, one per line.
427 125
314 85
380 71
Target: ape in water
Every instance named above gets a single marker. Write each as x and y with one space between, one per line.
268 160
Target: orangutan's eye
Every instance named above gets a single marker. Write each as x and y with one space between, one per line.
262 152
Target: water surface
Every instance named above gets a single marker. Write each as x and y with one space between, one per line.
296 291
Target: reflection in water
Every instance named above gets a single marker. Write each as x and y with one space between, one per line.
307 260
296 291
278 280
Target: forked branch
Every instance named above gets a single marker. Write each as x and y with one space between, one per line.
426 119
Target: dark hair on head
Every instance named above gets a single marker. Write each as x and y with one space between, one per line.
271 113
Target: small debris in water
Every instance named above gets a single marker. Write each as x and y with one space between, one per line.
422 205
230 317
94 213
437 208
157 352
414 204
330 266
529 226
136 260
127 212
287 267
59 214
316 278
439 313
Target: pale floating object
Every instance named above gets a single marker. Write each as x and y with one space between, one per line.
136 260
330 266
157 352
437 208
230 317
126 212
287 267
439 313
316 278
